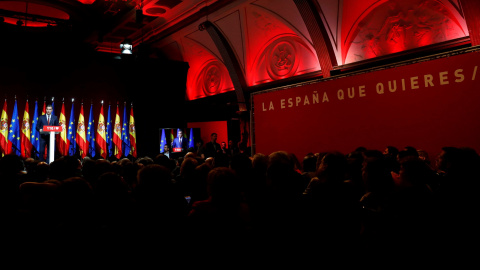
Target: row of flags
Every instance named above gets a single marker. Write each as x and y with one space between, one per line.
108 138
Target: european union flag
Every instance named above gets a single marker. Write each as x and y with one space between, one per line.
71 134
125 133
163 141
91 133
108 136
14 132
35 136
191 143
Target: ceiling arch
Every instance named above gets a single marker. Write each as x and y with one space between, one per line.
258 31
355 31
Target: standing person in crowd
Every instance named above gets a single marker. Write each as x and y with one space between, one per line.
212 147
232 148
198 149
166 150
223 148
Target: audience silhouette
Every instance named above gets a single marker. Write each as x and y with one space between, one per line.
365 200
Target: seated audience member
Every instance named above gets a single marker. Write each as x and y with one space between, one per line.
284 187
256 193
309 164
354 170
114 204
379 188
187 177
423 155
12 174
390 152
199 186
160 203
412 205
76 210
408 151
332 203
457 191
260 164
224 217
164 160
296 162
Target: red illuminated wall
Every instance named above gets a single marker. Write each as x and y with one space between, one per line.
426 105
207 128
399 25
274 49
207 75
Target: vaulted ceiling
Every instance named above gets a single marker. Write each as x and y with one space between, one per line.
243 44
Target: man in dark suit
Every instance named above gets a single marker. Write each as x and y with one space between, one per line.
179 141
47 119
212 148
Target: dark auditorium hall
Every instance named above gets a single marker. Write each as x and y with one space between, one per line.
235 133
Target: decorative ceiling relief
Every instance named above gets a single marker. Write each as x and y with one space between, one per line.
274 49
284 57
264 23
207 75
396 26
214 78
281 59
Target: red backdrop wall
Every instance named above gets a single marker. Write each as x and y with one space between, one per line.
207 128
426 105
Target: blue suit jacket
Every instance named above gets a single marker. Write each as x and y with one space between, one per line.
42 121
176 143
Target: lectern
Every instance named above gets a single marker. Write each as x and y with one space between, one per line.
52 130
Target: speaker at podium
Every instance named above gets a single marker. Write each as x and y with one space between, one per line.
52 130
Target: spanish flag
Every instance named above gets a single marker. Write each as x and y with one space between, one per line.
100 139
173 134
4 130
81 138
62 140
26 145
117 135
91 133
133 134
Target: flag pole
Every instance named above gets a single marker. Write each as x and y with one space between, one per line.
19 150
34 148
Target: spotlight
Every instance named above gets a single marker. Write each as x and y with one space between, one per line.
126 46
202 27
